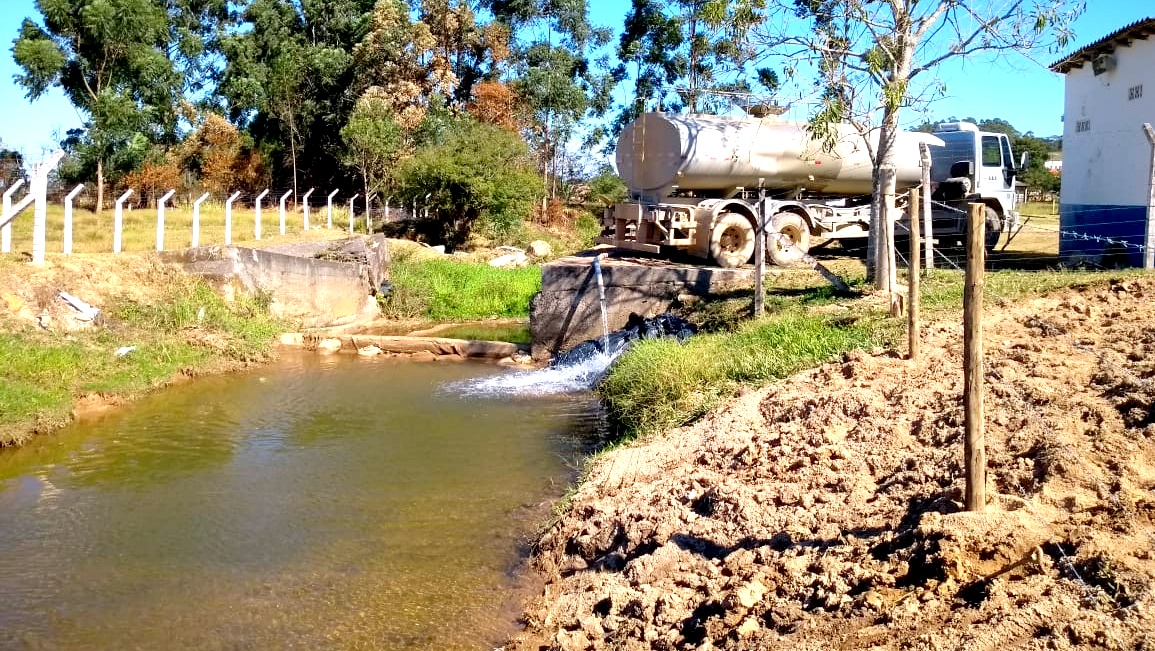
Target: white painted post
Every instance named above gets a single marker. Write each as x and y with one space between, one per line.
427 204
284 197
229 218
196 234
160 219
118 221
369 213
257 219
387 209
351 213
413 210
927 215
40 211
6 230
68 218
305 200
1149 241
329 209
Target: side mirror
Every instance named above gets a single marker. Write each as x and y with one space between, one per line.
962 168
1024 160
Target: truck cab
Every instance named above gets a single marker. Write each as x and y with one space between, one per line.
972 166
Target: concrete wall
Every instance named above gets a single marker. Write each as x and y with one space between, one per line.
567 311
1106 157
315 292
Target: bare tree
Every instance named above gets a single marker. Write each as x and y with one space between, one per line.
872 58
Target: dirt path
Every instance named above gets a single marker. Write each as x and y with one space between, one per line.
823 512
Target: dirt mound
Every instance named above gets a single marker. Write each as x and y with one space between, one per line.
824 511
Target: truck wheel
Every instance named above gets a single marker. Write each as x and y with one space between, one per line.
994 228
793 226
732 240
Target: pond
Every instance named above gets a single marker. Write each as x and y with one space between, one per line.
318 503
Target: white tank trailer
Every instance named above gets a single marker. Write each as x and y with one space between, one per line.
695 182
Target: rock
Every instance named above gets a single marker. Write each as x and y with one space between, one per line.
748 627
539 248
330 345
573 640
292 339
509 260
423 356
750 594
13 302
369 351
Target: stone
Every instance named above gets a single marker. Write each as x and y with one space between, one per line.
509 260
13 302
292 339
328 346
539 248
369 351
750 594
748 627
423 356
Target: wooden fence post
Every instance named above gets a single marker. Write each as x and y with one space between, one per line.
760 254
912 278
975 455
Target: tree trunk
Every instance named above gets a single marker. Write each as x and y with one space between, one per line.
883 203
99 185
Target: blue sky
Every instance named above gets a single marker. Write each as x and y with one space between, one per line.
1017 89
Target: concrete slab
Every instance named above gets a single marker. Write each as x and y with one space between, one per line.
567 310
314 291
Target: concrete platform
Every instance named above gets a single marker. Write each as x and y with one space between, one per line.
567 311
316 292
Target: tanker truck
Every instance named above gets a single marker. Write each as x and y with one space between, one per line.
695 180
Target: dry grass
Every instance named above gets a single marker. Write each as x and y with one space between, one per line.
93 234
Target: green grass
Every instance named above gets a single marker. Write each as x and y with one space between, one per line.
660 384
448 290
43 373
942 290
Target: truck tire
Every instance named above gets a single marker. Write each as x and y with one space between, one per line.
791 225
732 240
994 228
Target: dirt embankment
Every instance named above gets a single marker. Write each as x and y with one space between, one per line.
824 511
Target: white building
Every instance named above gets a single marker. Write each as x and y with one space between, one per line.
1110 93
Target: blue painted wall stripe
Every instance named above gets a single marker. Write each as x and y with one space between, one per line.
1123 223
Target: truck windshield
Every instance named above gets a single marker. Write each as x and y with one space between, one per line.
992 157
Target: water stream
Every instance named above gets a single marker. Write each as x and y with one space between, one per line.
321 503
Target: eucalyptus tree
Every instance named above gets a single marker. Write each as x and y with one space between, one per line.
871 59
691 54
121 63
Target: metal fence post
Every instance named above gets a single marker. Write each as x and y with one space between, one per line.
229 218
284 197
118 222
927 221
6 229
196 226
305 201
160 219
257 218
68 218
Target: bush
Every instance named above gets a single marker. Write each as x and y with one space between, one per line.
447 290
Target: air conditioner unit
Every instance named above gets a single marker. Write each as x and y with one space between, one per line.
1103 63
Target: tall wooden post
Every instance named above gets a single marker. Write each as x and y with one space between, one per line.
975 446
1149 241
760 255
912 277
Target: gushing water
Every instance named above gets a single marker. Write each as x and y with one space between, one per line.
570 378
602 303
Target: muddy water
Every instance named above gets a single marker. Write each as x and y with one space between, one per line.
321 503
